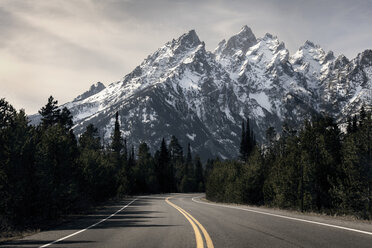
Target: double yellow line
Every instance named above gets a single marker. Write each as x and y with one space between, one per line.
195 224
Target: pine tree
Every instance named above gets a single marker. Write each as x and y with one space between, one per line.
49 113
163 169
248 140
354 124
117 140
65 119
199 177
188 183
362 116
176 160
175 150
144 173
125 151
349 127
95 176
90 138
243 143
188 157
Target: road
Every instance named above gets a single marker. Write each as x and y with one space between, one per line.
185 220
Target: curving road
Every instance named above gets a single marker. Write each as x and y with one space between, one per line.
184 220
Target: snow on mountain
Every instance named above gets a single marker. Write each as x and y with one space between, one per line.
94 89
348 86
202 97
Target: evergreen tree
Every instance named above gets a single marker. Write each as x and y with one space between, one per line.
176 160
96 174
248 141
199 177
189 156
144 171
90 138
117 140
354 126
362 116
125 150
49 113
56 172
349 127
164 170
65 119
243 143
188 183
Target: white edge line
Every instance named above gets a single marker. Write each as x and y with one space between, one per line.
149 196
285 217
95 224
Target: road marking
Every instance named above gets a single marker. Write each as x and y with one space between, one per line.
192 220
83 230
284 217
205 233
150 196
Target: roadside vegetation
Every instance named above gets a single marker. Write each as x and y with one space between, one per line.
316 169
47 172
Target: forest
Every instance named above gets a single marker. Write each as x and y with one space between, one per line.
315 169
47 172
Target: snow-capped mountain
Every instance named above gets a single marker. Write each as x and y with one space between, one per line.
202 97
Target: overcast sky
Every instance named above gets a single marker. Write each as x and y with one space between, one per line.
61 47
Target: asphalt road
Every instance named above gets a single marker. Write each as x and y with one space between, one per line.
184 220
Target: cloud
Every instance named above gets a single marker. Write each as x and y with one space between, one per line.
61 47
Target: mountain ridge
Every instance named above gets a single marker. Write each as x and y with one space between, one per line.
202 96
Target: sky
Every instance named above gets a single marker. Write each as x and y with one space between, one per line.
61 47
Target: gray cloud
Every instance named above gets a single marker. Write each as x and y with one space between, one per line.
64 46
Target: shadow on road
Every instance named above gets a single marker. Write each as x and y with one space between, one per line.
37 243
132 216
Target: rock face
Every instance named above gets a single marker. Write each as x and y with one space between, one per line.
94 89
202 97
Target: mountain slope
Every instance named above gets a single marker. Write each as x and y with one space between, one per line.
202 97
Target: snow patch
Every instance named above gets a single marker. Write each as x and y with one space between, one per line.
191 136
262 99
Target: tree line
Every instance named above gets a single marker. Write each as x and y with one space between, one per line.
316 168
46 171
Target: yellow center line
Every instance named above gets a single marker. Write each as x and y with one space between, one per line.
191 219
205 233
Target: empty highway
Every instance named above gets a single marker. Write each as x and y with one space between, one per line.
185 220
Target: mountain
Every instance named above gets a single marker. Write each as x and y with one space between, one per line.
202 97
94 89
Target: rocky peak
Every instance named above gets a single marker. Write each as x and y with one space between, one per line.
240 42
269 36
329 56
340 62
365 58
94 89
189 40
309 44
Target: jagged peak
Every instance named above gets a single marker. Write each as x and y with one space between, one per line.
269 36
329 56
98 85
314 51
310 44
189 39
365 58
219 47
241 41
341 61
94 89
245 31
